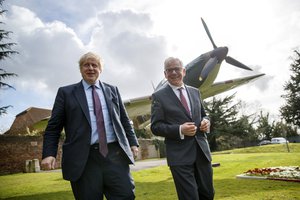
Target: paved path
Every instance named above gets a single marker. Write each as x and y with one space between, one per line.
144 164
139 165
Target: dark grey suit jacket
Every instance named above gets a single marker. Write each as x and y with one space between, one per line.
70 112
167 114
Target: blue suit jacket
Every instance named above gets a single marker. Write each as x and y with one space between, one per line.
70 112
167 114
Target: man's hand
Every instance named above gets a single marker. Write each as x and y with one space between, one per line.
205 126
188 129
135 151
48 163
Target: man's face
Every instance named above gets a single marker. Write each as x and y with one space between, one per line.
90 71
174 73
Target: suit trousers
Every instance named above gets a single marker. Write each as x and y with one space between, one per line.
194 181
109 176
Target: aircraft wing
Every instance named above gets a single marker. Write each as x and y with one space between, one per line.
138 106
224 86
138 110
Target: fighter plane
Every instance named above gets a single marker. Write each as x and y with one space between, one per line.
200 73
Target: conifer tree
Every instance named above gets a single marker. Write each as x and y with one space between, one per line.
5 52
291 110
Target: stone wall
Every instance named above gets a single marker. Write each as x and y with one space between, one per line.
15 151
147 149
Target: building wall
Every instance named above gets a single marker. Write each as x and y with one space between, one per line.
15 150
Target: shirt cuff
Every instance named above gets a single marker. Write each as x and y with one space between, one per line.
180 134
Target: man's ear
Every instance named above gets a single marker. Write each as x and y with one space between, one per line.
183 72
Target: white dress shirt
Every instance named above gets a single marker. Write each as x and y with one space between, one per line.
177 93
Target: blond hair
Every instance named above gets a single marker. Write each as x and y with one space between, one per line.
92 55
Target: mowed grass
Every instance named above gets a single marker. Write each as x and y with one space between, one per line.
157 183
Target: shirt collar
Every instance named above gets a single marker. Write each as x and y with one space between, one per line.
86 86
176 87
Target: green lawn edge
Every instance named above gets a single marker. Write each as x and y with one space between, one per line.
157 183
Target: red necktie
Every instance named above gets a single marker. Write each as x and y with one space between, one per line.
100 122
183 101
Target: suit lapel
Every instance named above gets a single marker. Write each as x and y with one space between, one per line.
107 95
79 94
192 102
172 95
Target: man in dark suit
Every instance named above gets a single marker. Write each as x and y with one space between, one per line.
177 115
96 165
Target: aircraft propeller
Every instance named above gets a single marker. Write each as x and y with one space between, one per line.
208 33
236 63
208 68
228 59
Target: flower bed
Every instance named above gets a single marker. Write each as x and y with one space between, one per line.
290 173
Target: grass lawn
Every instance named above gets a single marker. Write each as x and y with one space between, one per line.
156 183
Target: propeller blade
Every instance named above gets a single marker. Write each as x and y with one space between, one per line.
208 33
209 66
236 63
153 85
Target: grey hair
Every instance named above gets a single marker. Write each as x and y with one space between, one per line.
171 59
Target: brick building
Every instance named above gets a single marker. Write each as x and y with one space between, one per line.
25 121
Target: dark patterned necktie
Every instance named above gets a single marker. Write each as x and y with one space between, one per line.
183 101
100 122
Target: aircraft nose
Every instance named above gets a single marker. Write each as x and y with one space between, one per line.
220 53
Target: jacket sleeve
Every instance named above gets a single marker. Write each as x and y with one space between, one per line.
159 124
54 127
126 123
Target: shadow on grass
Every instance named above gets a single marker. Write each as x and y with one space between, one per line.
238 189
64 195
162 190
225 188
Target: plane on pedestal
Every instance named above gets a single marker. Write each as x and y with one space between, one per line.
200 73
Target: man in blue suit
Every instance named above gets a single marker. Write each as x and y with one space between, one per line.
92 174
177 115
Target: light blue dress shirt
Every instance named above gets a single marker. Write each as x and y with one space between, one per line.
110 135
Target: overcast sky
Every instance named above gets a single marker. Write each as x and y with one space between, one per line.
134 38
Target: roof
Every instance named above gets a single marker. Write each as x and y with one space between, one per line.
25 120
